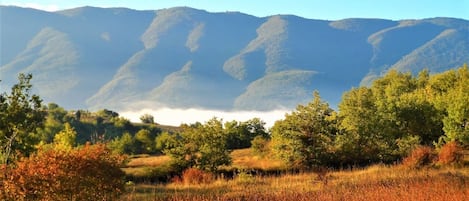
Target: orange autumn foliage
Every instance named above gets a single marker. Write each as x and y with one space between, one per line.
87 173
420 157
450 154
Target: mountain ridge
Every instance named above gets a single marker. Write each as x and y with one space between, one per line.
119 58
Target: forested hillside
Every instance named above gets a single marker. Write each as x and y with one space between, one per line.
120 59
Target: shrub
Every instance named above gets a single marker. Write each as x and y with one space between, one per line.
245 177
450 154
78 174
196 176
419 157
260 145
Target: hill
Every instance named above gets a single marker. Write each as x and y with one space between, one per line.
119 59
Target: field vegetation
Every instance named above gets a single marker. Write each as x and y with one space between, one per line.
404 137
376 182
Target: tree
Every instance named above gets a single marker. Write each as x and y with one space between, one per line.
260 145
144 141
147 119
396 112
54 122
240 134
304 137
20 116
65 139
165 141
361 139
456 123
202 146
123 144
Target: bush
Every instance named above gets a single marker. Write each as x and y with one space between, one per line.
245 177
260 146
77 174
196 176
450 154
419 157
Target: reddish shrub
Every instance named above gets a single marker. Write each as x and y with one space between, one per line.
86 173
450 154
419 157
196 176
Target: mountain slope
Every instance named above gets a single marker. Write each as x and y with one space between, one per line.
117 58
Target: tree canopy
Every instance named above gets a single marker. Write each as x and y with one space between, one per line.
20 116
304 137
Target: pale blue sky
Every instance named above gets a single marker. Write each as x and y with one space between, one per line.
313 9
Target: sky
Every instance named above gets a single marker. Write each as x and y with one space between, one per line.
312 9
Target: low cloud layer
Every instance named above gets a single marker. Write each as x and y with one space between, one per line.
176 117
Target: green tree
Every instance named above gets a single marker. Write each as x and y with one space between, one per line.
202 146
144 141
360 140
379 120
54 122
20 116
123 144
147 119
304 137
65 139
165 141
240 134
260 145
456 123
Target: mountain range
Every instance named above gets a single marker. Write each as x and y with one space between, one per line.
121 59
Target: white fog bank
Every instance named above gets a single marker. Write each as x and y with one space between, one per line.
175 117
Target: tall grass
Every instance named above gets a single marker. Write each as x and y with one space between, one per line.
373 183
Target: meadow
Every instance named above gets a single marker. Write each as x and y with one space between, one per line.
377 182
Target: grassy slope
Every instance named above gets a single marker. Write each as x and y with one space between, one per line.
372 183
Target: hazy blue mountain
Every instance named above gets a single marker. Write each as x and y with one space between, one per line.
117 58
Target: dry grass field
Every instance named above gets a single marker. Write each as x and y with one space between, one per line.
377 182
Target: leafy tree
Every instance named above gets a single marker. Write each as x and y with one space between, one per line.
407 144
304 137
379 120
54 122
388 92
165 141
240 134
147 119
201 146
456 123
260 145
122 123
20 116
361 139
65 139
107 114
123 144
144 141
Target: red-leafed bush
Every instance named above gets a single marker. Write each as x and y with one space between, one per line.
196 176
87 173
419 157
450 154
